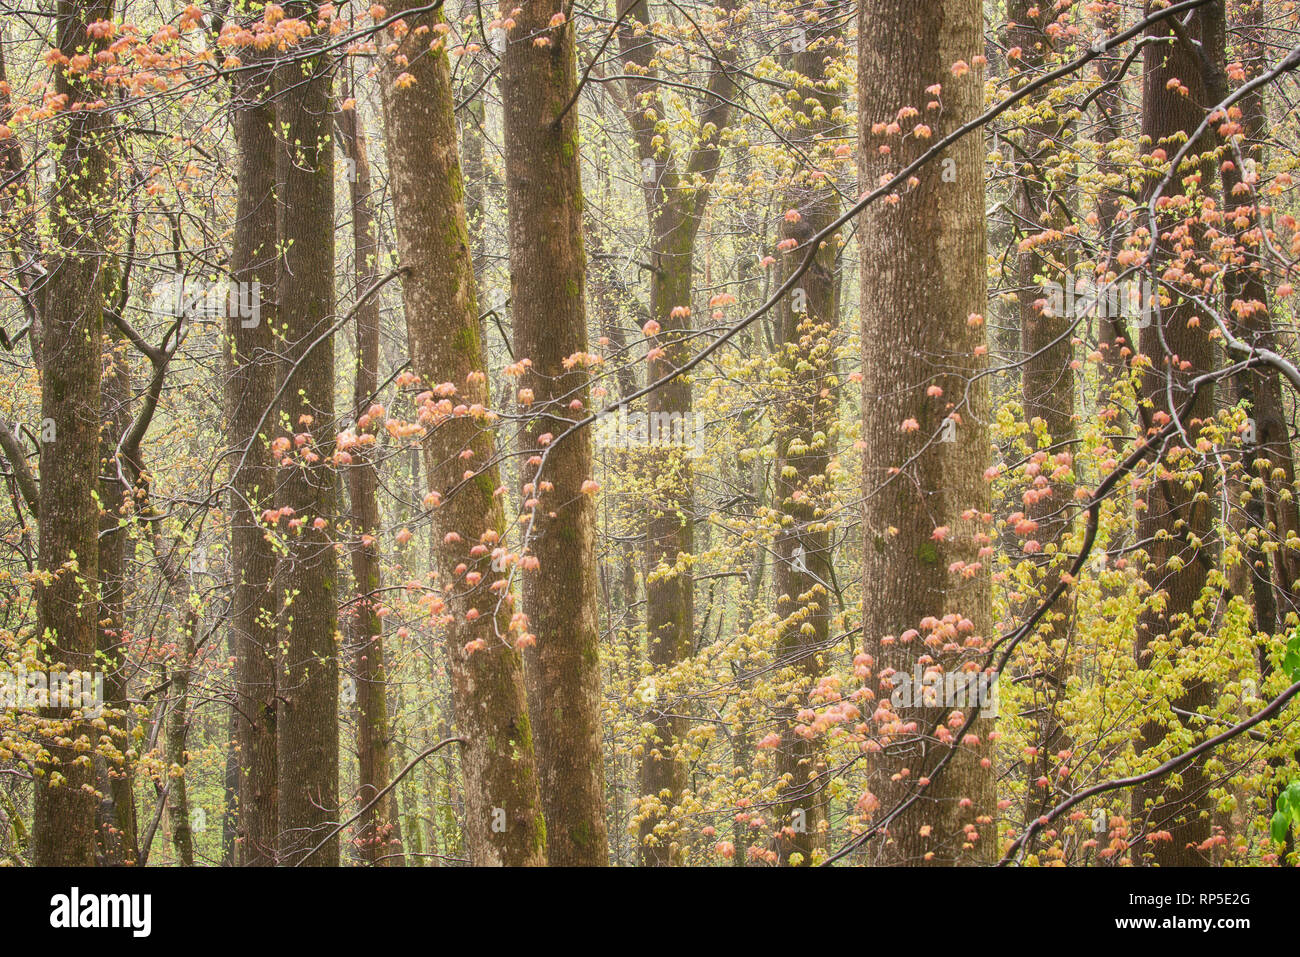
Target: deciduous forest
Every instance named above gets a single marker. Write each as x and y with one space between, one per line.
653 433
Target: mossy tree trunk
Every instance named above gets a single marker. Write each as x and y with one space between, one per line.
72 310
504 823
676 191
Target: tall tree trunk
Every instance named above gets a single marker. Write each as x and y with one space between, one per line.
548 292
307 692
805 433
923 293
72 313
619 575
473 140
504 823
375 829
250 390
1175 524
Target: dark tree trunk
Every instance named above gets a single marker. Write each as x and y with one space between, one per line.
307 671
175 735
1047 394
117 825
676 192
250 390
76 289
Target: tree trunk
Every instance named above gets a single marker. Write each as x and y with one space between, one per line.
117 826
548 292
1274 516
676 192
375 835
1047 393
1247 285
307 725
178 727
75 293
923 298
250 390
504 823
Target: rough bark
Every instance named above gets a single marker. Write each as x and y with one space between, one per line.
1247 283
250 389
548 292
504 824
117 825
922 280
72 313
307 668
